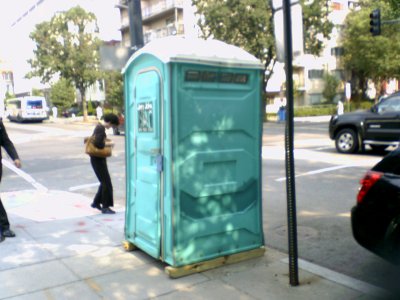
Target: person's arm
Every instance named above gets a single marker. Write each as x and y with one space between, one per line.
99 136
9 146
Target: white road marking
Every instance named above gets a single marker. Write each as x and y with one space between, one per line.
84 186
342 279
25 176
322 148
318 172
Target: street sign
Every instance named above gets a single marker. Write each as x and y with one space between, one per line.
297 29
348 91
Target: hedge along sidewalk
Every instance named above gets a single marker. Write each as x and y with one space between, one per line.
324 110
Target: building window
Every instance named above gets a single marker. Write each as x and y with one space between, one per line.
337 51
315 74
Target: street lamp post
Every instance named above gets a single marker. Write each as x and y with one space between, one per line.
135 25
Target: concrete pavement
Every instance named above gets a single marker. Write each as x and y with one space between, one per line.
64 249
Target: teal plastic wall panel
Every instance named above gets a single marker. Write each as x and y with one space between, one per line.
216 146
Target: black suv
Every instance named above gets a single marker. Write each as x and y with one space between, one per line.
378 127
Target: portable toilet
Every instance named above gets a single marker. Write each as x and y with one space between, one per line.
193 122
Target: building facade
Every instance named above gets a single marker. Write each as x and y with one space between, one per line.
160 18
312 69
309 70
6 84
6 80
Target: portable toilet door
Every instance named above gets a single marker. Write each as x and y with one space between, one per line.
144 126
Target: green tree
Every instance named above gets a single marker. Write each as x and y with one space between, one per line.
317 26
331 87
395 8
62 94
90 108
37 92
244 23
366 56
9 95
114 89
67 46
248 24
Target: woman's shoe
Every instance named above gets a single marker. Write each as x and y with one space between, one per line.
94 205
8 233
107 210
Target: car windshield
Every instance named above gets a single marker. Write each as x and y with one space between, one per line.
34 104
390 104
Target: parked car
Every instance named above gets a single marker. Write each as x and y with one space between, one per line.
69 112
378 127
375 218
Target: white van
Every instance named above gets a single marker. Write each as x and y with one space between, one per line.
29 108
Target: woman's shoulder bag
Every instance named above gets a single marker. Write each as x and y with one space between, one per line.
92 150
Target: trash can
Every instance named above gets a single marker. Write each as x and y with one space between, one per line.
282 114
193 153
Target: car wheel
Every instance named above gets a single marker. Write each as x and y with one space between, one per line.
346 141
378 148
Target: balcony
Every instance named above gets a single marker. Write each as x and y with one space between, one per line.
160 8
151 35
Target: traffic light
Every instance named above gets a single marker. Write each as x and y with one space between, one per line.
375 22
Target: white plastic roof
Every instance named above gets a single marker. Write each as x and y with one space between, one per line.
214 52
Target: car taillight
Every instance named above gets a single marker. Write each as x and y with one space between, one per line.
366 183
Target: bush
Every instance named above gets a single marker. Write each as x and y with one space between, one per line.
361 105
323 110
314 110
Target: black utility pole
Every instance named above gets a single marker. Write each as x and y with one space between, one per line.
289 147
135 25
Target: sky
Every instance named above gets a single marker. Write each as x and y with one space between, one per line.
16 47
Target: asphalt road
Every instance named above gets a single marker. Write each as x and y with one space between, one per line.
326 187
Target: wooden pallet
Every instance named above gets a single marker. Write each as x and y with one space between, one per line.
128 246
176 272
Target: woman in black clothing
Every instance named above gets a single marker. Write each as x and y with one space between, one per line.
6 143
104 197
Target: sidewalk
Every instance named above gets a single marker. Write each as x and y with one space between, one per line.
66 250
312 119
75 120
